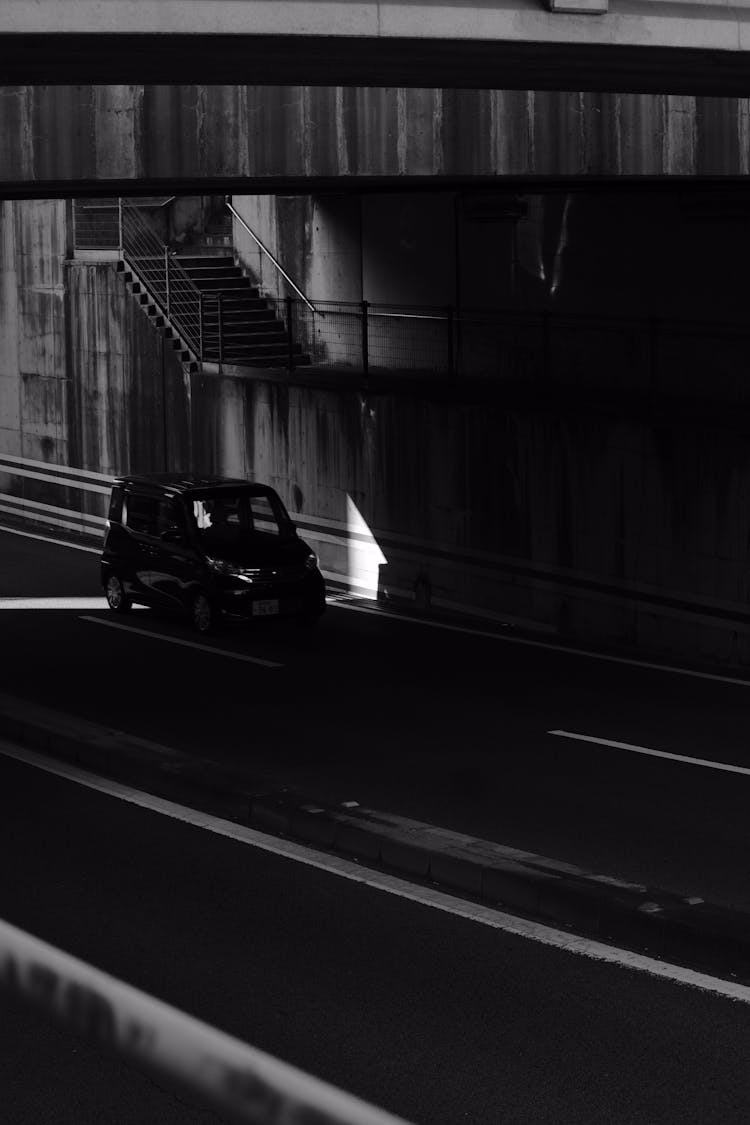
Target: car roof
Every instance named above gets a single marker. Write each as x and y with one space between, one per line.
187 482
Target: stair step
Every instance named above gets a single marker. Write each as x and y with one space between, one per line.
235 301
212 270
269 330
204 260
272 361
273 348
281 361
239 317
215 284
249 315
199 251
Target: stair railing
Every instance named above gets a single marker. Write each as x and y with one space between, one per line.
164 278
274 260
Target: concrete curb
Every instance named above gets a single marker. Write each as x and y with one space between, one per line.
687 931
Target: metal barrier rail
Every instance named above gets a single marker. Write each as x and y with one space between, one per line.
239 1082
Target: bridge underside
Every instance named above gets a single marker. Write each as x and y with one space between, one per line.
66 59
122 139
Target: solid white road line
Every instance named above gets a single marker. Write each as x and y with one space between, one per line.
390 884
652 753
185 644
334 600
342 604
49 539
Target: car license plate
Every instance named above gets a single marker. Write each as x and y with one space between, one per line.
266 607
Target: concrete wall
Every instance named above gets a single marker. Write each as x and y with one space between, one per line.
83 374
625 530
240 138
33 346
676 254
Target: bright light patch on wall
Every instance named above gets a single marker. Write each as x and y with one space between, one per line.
364 556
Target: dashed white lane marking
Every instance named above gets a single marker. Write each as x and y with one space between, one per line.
390 884
184 643
652 753
49 539
343 604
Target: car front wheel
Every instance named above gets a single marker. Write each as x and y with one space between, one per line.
203 614
117 600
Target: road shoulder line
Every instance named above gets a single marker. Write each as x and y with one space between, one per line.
432 897
661 924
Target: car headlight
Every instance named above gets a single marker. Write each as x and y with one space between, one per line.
311 561
220 566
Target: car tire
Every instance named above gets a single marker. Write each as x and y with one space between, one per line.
203 614
117 600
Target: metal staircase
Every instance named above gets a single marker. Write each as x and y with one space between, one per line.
239 325
203 300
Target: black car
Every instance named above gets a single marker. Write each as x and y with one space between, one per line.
206 546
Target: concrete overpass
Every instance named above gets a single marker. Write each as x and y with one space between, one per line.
664 46
127 139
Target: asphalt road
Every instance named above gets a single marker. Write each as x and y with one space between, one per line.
445 726
434 1017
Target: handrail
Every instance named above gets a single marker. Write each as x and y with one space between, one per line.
241 1083
278 265
168 283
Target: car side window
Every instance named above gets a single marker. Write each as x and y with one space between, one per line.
170 517
142 514
115 506
264 517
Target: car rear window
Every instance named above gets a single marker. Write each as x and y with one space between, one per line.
142 514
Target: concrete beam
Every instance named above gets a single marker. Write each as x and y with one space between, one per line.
57 140
653 46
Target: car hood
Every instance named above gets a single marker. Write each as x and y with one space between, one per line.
251 553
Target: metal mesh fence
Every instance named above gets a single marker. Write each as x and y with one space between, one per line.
410 339
331 335
506 344
96 225
506 347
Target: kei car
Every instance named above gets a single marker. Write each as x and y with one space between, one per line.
207 546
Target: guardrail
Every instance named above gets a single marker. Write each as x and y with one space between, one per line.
239 1082
520 344
50 482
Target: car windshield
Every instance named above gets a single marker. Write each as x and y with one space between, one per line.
227 520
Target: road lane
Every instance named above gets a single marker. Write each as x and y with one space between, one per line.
432 1016
352 869
445 727
171 639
